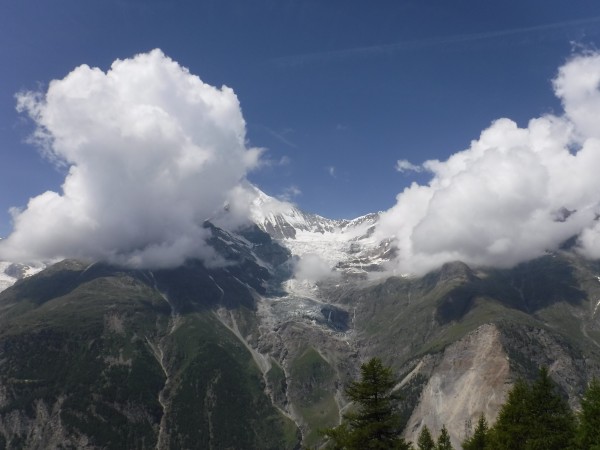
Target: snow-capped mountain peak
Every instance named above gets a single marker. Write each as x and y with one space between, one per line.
10 272
344 245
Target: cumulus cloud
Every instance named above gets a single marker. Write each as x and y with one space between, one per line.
312 268
151 151
515 193
404 165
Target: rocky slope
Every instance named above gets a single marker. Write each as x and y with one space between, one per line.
347 246
471 377
459 336
252 356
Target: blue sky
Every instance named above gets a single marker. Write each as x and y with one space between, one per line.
337 91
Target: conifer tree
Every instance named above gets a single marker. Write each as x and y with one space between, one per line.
480 436
512 427
552 421
534 418
588 430
443 442
374 423
425 440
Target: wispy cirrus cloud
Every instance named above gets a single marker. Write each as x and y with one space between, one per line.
282 136
404 165
415 44
290 193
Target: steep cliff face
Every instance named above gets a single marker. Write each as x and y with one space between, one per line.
472 377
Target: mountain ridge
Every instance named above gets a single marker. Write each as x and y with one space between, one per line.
292 342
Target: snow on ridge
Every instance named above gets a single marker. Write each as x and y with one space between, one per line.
339 243
11 272
6 281
267 210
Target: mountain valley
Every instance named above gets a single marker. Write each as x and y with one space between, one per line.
255 353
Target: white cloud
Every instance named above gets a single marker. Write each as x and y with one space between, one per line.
499 202
404 165
284 161
289 193
312 268
268 162
331 170
152 152
577 86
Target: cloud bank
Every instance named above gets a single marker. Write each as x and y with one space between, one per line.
515 193
151 151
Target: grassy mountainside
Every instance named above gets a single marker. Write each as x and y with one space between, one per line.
97 358
94 356
408 317
315 402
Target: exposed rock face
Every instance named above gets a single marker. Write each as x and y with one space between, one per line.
40 430
530 348
455 271
472 377
267 355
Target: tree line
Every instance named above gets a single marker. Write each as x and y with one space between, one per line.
534 417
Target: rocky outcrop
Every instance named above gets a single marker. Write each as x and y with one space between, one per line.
41 429
530 348
472 378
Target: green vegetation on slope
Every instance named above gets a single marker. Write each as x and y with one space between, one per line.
88 344
217 396
313 378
